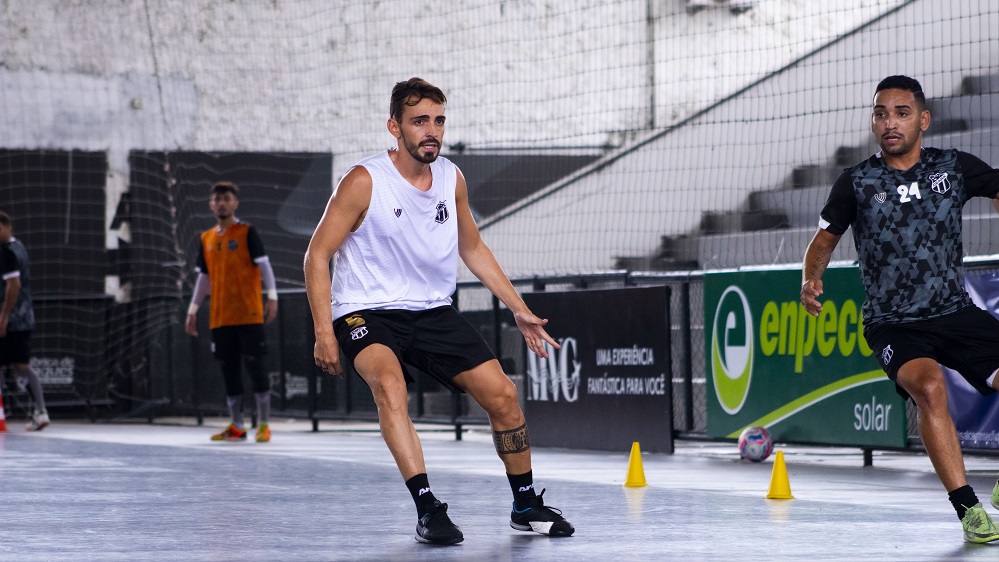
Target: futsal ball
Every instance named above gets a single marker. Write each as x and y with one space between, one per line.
755 444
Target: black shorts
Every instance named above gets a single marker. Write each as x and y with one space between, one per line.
966 341
439 341
229 343
15 348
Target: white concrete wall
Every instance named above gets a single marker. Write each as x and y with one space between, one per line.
314 75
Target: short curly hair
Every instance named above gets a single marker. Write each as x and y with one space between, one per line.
412 92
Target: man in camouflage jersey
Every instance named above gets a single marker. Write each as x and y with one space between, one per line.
904 204
17 319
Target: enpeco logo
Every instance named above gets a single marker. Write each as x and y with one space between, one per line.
732 349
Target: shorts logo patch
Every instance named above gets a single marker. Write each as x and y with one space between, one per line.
354 321
886 354
358 333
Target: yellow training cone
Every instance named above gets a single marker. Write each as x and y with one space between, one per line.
780 487
636 474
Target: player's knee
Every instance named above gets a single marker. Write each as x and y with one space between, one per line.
257 372
507 396
503 404
233 389
390 397
252 362
930 393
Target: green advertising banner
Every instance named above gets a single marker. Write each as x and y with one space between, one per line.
806 379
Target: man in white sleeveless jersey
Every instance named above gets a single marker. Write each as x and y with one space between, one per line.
397 223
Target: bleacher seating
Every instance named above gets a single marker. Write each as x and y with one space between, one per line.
780 222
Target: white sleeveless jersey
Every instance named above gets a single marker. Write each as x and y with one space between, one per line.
405 253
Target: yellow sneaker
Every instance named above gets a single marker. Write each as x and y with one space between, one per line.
995 496
263 433
978 526
231 433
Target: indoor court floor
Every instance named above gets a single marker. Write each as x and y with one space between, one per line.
83 491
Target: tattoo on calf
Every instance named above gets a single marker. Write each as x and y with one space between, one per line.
510 441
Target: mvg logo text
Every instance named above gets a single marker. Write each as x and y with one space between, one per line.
552 378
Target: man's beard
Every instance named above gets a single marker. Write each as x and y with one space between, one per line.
418 153
898 150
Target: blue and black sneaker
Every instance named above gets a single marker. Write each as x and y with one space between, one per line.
435 527
540 518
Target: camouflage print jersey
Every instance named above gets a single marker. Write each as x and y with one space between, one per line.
907 230
14 263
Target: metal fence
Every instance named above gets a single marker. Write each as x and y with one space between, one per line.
181 377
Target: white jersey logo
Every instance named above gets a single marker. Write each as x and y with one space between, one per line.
442 214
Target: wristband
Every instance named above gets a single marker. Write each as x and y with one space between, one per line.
192 310
272 294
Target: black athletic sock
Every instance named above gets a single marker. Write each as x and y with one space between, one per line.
523 488
419 486
962 498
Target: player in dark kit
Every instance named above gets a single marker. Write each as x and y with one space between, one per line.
904 205
17 319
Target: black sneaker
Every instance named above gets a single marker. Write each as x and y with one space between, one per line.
436 527
540 518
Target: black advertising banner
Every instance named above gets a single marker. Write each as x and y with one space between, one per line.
609 384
